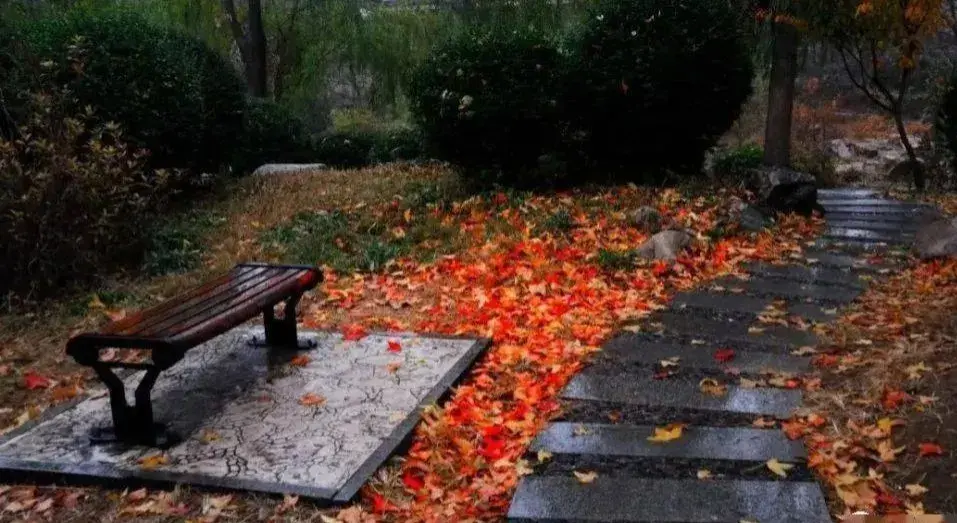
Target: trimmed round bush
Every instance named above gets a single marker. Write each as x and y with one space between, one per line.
172 95
947 120
654 83
487 100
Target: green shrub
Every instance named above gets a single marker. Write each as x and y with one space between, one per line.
736 163
174 244
654 83
616 260
487 101
946 129
271 134
172 95
75 200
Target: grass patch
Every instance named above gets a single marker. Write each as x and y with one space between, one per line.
617 260
176 245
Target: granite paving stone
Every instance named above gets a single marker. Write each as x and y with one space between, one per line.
737 444
814 311
842 260
878 210
721 302
792 290
626 388
614 499
891 219
812 274
872 202
868 235
633 348
730 331
875 225
846 193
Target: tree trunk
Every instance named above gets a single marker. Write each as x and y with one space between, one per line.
915 166
777 133
256 67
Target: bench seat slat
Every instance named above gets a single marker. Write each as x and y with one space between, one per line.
241 308
186 320
127 323
200 302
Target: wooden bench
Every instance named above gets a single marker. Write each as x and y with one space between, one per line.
173 327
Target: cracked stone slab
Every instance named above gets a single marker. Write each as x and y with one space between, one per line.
842 233
730 332
623 388
632 348
721 302
735 444
811 274
241 421
616 499
792 290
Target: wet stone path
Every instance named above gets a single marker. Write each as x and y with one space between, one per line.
596 462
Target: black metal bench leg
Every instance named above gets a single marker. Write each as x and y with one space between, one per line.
283 333
132 425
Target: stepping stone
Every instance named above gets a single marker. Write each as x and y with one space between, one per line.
842 261
875 210
813 274
838 216
633 390
731 332
795 290
873 202
616 499
814 312
633 348
874 225
736 444
868 235
721 302
846 193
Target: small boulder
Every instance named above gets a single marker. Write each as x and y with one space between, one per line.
752 219
666 245
647 219
763 180
287 168
937 238
800 198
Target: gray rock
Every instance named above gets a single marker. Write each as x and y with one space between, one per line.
647 219
763 180
937 239
288 168
666 245
751 219
839 148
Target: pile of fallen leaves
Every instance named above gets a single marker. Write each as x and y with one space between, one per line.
883 424
546 303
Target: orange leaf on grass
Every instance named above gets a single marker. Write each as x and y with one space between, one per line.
312 400
300 361
893 398
412 481
381 505
928 449
394 346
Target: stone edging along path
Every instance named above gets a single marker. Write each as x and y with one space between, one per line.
597 463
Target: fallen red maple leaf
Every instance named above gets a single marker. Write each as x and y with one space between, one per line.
353 332
380 504
412 481
33 381
930 449
724 355
893 398
395 346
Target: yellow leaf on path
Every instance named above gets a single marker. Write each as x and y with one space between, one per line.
666 433
887 452
885 425
151 462
915 489
712 387
780 469
522 468
581 430
804 351
670 362
96 302
543 456
585 477
705 474
755 330
210 436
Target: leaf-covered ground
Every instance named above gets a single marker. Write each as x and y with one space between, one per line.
547 278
